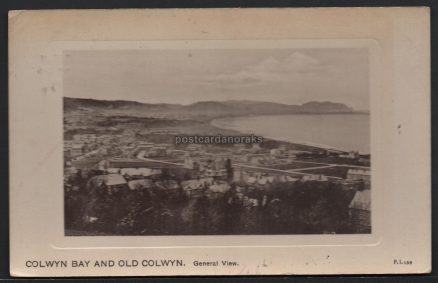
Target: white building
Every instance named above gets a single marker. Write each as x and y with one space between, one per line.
359 174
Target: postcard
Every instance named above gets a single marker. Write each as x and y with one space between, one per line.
220 142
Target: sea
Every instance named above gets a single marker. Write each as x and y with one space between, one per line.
348 132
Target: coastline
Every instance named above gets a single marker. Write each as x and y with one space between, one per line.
311 146
305 145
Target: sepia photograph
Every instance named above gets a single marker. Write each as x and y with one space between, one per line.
217 142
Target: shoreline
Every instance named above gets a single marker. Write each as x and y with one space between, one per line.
310 145
307 145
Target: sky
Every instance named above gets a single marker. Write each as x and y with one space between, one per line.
289 76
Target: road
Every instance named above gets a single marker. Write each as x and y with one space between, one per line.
293 172
331 164
140 156
311 168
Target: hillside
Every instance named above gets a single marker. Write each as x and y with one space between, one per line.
203 109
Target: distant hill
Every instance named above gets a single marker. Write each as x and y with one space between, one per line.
81 103
204 109
324 107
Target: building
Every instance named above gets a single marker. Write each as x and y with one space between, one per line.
359 174
138 185
194 188
138 172
85 138
256 148
320 178
290 154
111 182
134 163
194 147
68 145
180 153
189 162
168 185
156 151
76 149
239 147
215 173
360 211
276 152
350 155
256 159
219 187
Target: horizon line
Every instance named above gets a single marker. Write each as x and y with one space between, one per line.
229 100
